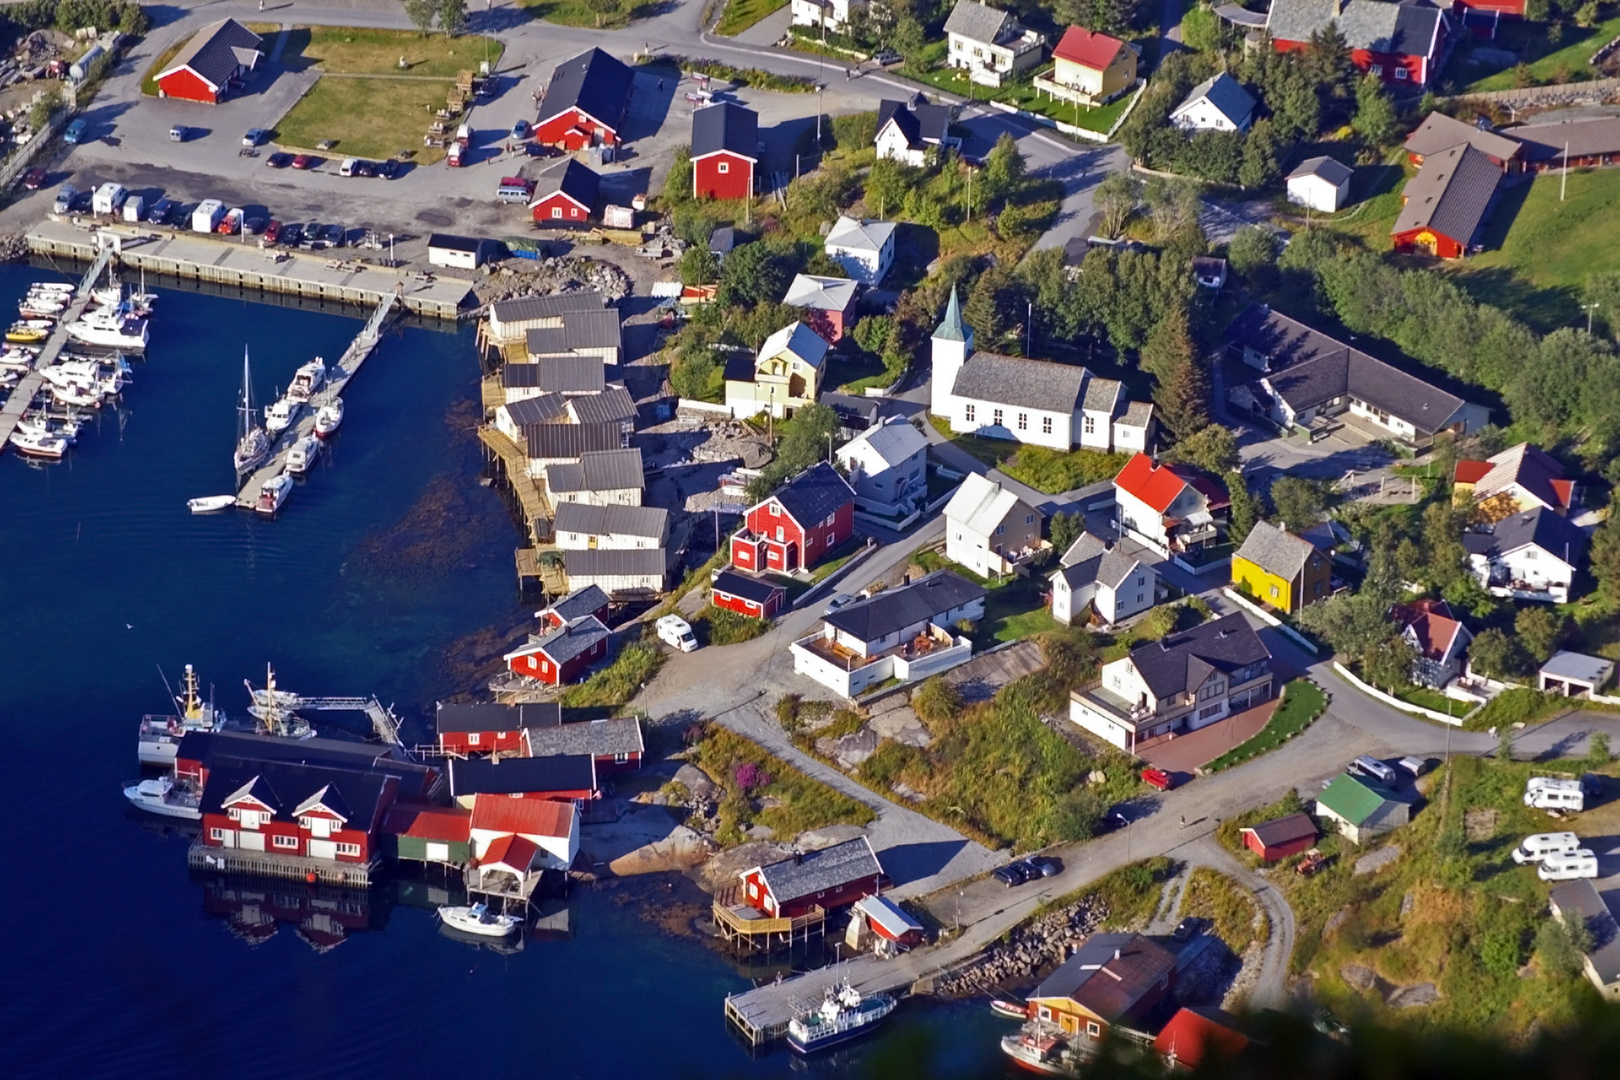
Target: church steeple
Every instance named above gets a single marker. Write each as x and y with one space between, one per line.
951 327
951 346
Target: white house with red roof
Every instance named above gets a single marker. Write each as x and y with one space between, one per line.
1089 67
1440 638
1170 508
551 825
1520 478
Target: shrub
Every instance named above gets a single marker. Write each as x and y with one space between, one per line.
936 700
1559 946
750 776
619 681
1499 951
730 628
787 711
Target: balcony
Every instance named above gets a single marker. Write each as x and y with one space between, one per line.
850 673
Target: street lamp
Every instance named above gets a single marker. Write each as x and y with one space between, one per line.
1589 309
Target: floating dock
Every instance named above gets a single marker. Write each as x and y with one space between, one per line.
241 262
22 396
201 856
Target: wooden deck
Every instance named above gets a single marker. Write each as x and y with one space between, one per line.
22 395
551 579
492 393
532 502
203 856
742 925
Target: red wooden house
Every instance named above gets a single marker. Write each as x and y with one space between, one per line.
585 103
590 600
571 776
725 141
1199 1037
1280 837
615 743
1400 43
483 728
829 878
565 194
216 58
827 304
796 527
889 921
561 654
298 810
1445 206
747 595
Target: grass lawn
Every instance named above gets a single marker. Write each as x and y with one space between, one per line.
741 14
576 13
752 775
1302 702
349 50
1377 191
836 558
1021 94
1548 63
1045 470
374 118
617 683
1237 917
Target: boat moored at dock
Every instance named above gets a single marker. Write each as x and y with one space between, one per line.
208 504
303 455
307 380
1043 1051
477 919
161 795
329 418
161 735
110 330
273 493
843 1015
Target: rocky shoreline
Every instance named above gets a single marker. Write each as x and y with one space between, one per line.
1039 944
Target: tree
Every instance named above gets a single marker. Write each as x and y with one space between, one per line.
1539 630
909 39
1353 623
1213 449
995 309
752 274
1388 664
1245 509
1168 347
692 373
887 183
1491 652
1252 253
1258 166
1183 401
1560 945
453 14
873 333
814 428
1115 199
1299 502
936 700
1375 119
1201 29
1003 173
422 13
698 265
1066 529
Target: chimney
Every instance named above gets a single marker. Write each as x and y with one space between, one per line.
1116 954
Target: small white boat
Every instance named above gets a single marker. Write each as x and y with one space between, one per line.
303 455
160 796
477 919
38 444
308 379
77 394
39 308
52 286
66 430
329 418
210 503
272 493
280 416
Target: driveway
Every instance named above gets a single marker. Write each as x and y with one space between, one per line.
1180 755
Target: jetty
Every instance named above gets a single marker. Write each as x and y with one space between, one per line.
383 720
22 396
337 379
205 857
241 262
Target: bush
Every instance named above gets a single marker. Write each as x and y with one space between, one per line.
936 700
761 80
1559 946
619 681
730 628
787 711
1518 706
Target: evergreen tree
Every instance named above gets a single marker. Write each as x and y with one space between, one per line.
995 309
1003 171
1375 119
1245 507
1168 347
1258 166
1183 401
1213 449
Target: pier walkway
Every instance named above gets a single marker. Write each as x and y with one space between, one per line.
531 498
383 721
336 380
22 396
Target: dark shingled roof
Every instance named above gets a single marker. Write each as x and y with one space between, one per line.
1450 195
611 406
648 521
1585 138
580 603
1405 28
1013 380
522 775
594 328
284 786
571 178
895 609
452 242
564 643
1440 132
214 747
593 82
524 308
567 374
1546 529
621 735
1332 170
856 413
920 123
726 128
817 871
449 719
1284 830
813 494
570 440
1183 661
545 409
1230 98
599 470
623 562
1109 974
213 52
746 587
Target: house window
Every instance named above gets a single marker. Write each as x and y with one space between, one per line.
1046 425
1093 1029
1210 711
723 167
621 759
1000 529
1090 425
234 814
473 737
556 211
1140 598
1401 74
216 833
776 510
1029 519
831 518
1275 592
967 413
1023 421
1375 69
781 534
349 849
995 418
284 841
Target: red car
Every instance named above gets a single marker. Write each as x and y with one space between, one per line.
34 179
271 232
303 161
1158 778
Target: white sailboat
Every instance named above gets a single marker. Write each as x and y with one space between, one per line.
477 919
252 441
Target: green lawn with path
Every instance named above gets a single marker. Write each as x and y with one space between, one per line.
1302 702
741 14
1548 62
369 118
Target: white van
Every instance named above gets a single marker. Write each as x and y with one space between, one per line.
1541 845
347 168
1568 865
205 218
1374 769
1555 795
676 632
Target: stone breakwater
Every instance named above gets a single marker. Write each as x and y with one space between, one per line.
566 273
1045 940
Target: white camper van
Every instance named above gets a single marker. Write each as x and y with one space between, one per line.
108 198
676 632
1542 845
1544 793
1373 769
1568 865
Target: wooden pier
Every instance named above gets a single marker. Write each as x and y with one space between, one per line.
532 501
201 856
22 395
741 925
337 379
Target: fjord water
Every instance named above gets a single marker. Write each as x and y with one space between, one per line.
117 962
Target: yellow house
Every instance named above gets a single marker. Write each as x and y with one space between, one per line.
1110 979
785 375
1280 569
1092 65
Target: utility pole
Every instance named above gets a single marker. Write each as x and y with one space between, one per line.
1029 329
1563 180
1589 309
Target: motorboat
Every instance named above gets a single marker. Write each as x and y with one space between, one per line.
76 394
1042 1050
252 441
844 1014
208 504
308 379
272 493
39 307
303 455
160 735
159 795
329 418
66 430
1012 1010
38 444
110 329
478 919
53 286
25 333
280 416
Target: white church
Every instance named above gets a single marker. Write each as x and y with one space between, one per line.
1033 401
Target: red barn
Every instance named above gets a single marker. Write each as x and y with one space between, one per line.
585 102
216 58
796 527
565 194
747 595
889 921
1280 837
296 810
829 878
725 142
484 728
572 776
561 654
1400 43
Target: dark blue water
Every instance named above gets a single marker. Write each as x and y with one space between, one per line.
116 961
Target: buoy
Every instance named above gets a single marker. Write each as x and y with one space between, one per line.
310 877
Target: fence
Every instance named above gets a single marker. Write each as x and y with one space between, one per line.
1072 130
707 408
1397 703
1271 620
25 155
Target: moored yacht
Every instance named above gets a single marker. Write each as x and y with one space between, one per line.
303 455
308 379
110 329
252 441
280 416
160 795
272 493
329 418
477 919
40 444
845 1014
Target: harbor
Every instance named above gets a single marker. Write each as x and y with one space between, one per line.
22 395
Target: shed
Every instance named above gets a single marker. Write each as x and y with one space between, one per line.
889 920
1576 674
747 595
1321 183
1362 810
429 834
217 55
460 252
1280 837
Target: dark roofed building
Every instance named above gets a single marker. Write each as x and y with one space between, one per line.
615 743
460 252
1587 143
566 442
217 57
799 524
746 594
1402 43
566 373
591 332
612 406
624 573
1440 132
586 102
829 878
856 414
579 603
512 319
485 728
599 476
1110 979
200 752
1531 555
906 131
562 651
1280 837
565 194
1016 381
568 777
304 811
935 597
1444 207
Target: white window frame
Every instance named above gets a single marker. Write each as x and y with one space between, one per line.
216 833
995 417
473 738
556 213
282 840
967 413
1046 425
345 848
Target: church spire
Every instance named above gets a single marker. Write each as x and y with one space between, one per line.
950 327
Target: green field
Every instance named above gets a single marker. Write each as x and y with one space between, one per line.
577 13
349 50
1547 63
371 118
741 14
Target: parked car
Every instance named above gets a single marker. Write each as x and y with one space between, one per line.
1186 928
255 137
348 166
388 169
179 133
303 161
252 226
279 160
520 130
272 233
158 213
1045 865
336 235
34 179
365 168
75 131
1158 778
292 235
1011 875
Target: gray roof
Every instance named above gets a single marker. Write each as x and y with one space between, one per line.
1531 468
619 735
978 21
1275 551
951 327
567 374
592 82
1227 95
725 127
813 494
1332 170
1450 195
1544 528
215 52
855 412
1137 414
1405 28
570 440
1581 900
611 406
648 521
798 339
746 586
572 178
1573 665
832 867
1440 132
894 442
566 642
821 293
723 239
980 504
524 308
545 409
1102 395
859 235
1183 661
1090 559
619 562
596 328
487 716
580 603
1012 380
599 470
895 609
1585 138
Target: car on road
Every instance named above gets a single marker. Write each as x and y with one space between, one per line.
279 160
520 130
1013 874
75 131
33 179
272 232
1186 928
304 161
885 57
255 137
1045 865
336 235
292 234
1158 778
179 133
388 169
836 601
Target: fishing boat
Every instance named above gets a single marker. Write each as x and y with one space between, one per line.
477 919
1012 1010
24 332
110 329
252 441
272 708
329 418
38 444
308 379
159 795
303 455
844 1014
1039 1049
38 424
272 493
208 504
160 735
280 416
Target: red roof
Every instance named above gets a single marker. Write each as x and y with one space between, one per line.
1565 490
1431 620
1088 48
531 817
448 824
1471 472
513 852
1158 485
1194 1036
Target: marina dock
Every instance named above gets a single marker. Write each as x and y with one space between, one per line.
239 261
22 396
355 355
201 856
